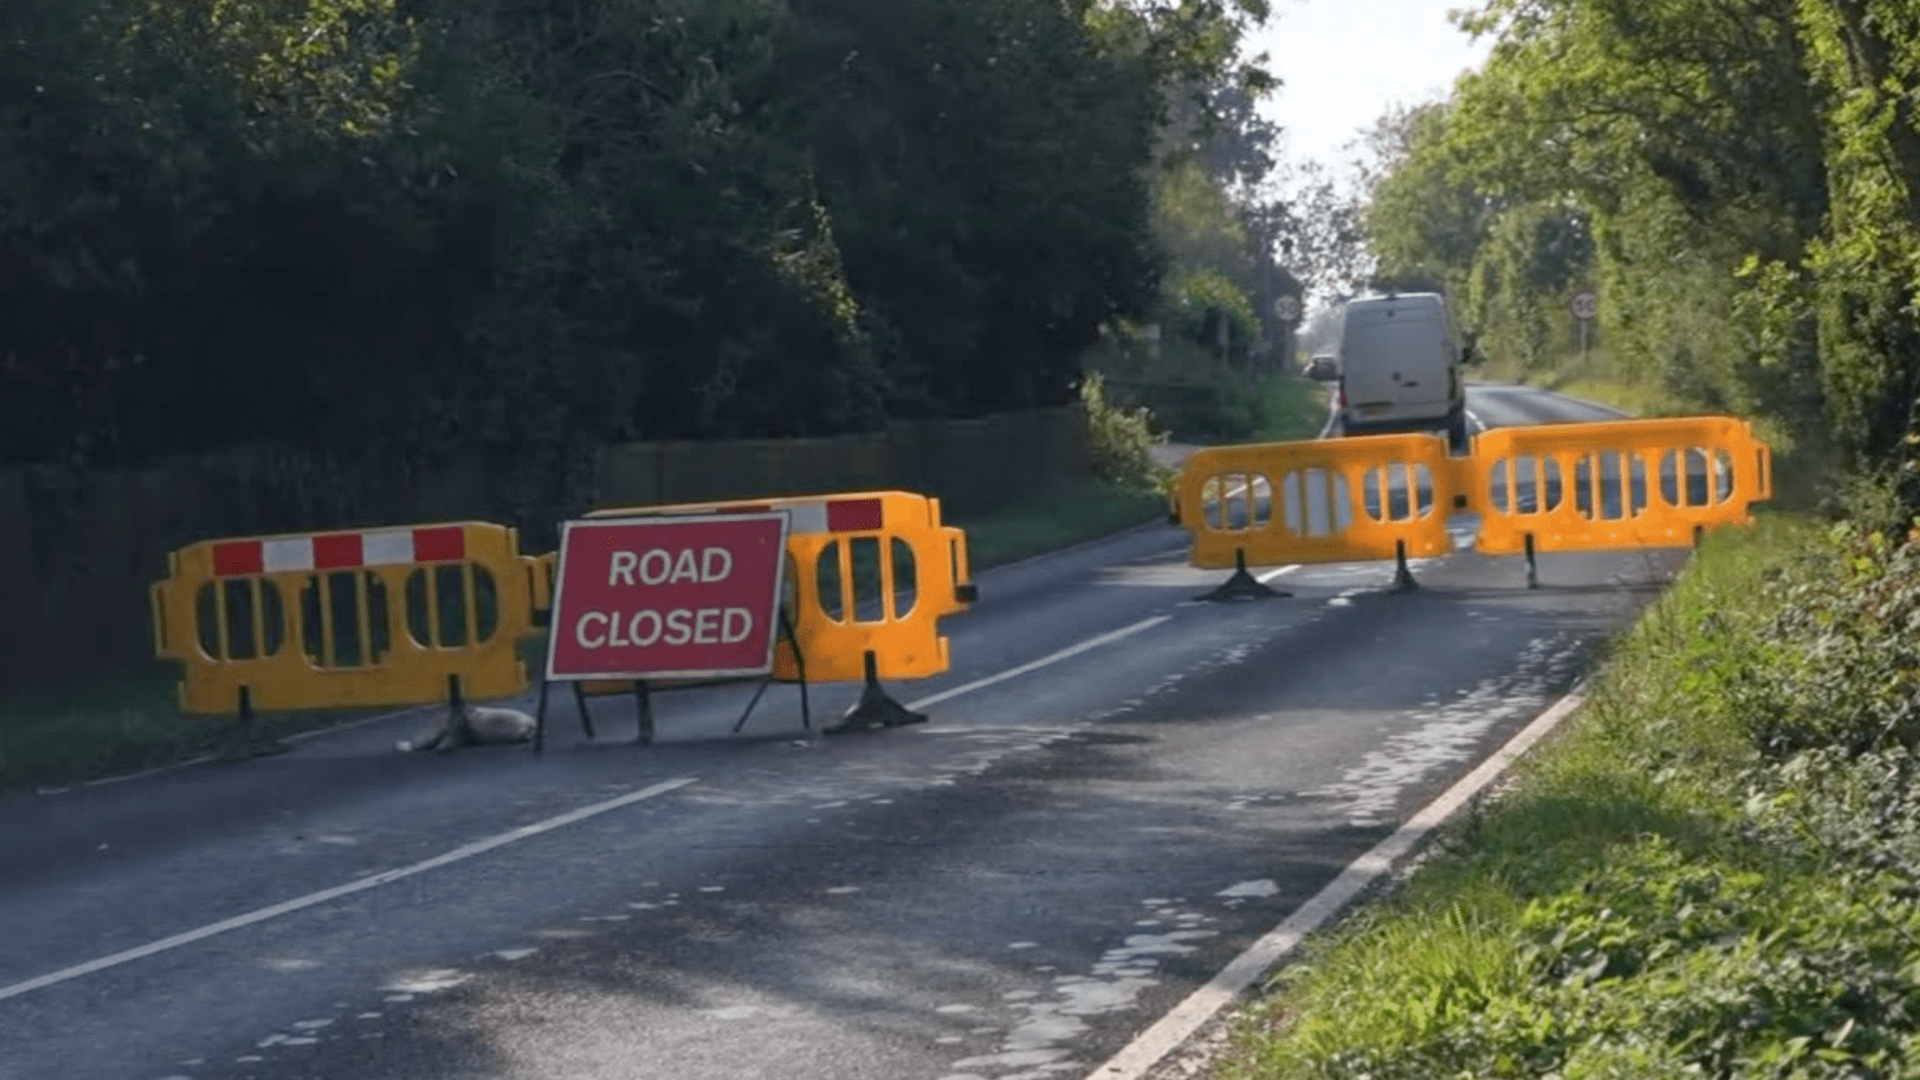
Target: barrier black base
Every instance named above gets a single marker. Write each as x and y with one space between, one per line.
243 740
875 709
1242 585
1403 580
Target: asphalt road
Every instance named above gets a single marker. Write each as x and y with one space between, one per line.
1120 789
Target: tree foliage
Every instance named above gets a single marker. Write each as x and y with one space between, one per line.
520 228
1737 179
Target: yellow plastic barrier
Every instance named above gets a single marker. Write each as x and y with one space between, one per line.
1620 484
544 571
1268 504
381 617
869 577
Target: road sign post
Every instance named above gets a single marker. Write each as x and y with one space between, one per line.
1286 308
1585 306
662 597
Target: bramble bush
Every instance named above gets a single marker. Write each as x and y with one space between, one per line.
1755 912
1122 439
1839 667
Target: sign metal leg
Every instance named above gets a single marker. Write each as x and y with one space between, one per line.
800 666
643 699
586 714
800 662
758 691
540 719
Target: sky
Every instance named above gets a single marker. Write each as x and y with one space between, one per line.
1342 63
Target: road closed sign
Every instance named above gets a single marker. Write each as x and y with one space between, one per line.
667 597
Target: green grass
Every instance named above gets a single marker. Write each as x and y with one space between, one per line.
1238 408
124 722
1633 398
1290 408
112 725
1037 526
1653 896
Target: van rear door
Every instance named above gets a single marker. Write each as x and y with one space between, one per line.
1396 367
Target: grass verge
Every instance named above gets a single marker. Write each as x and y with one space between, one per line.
1236 408
1290 408
125 722
1633 398
1037 526
1710 871
115 724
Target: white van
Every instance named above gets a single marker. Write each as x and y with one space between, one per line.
1399 368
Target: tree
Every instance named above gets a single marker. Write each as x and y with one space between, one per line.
1427 219
1865 267
1322 223
1669 144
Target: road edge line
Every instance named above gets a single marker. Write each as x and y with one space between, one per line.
1167 1034
208 759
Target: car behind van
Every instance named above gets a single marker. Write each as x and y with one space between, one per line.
1398 368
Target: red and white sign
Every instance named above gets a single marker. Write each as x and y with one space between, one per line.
340 551
667 597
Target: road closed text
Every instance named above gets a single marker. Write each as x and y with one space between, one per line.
680 626
656 567
667 597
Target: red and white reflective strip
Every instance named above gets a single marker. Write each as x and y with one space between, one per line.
823 516
340 551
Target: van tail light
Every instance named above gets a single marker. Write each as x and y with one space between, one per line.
1342 399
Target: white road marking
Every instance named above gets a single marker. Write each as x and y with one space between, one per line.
387 877
482 846
1143 1053
1046 661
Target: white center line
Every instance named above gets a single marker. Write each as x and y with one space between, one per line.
386 877
482 846
1045 661
522 833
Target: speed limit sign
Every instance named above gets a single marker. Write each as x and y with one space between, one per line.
1585 305
1286 308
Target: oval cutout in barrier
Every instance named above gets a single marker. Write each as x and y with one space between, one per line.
344 620
1317 503
240 619
906 578
1398 492
1525 484
1235 501
452 605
